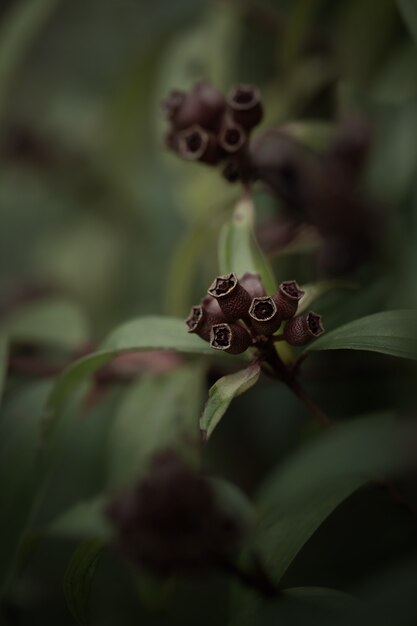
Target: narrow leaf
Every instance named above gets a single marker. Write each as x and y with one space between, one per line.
146 333
55 321
222 393
313 291
408 9
238 249
78 579
298 497
20 475
3 361
389 332
157 412
84 520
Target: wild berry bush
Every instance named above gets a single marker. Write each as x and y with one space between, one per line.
208 326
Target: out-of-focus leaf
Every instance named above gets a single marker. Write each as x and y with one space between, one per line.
408 9
323 596
313 291
78 579
146 333
157 412
222 393
3 361
55 321
19 29
299 496
238 250
297 605
314 133
85 520
20 473
389 332
185 264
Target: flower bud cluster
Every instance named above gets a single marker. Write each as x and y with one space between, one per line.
208 127
237 314
172 520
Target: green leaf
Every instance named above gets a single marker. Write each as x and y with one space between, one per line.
222 393
157 412
238 249
20 472
408 9
84 520
55 321
322 596
146 333
300 495
389 332
78 579
3 361
313 291
24 22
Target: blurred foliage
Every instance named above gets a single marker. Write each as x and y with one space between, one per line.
99 225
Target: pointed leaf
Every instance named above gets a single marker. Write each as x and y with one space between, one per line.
146 333
313 291
84 520
3 361
157 412
55 321
238 249
222 393
389 332
78 579
20 472
299 496
408 9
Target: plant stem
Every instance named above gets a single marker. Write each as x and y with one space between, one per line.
281 372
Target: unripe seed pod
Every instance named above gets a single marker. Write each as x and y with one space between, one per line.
232 137
264 316
244 102
203 105
287 298
233 299
196 144
196 324
303 328
203 316
231 338
251 281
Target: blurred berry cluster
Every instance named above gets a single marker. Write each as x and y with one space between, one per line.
172 520
209 127
237 314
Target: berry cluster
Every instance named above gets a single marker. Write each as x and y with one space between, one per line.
172 519
208 127
237 314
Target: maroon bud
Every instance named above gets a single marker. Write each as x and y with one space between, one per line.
233 299
196 144
232 137
264 316
172 520
203 105
251 281
244 101
302 329
203 316
231 338
287 298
